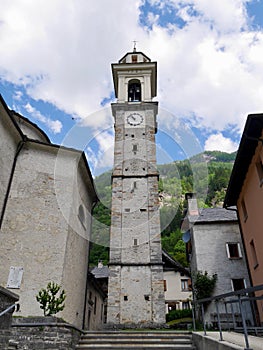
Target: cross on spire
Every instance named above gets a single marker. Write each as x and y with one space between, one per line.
134 45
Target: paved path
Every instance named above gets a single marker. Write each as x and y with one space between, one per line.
255 343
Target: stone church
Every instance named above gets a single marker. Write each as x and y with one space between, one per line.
46 197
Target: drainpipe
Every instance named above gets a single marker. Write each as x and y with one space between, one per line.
18 150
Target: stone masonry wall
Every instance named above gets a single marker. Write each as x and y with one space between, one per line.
39 333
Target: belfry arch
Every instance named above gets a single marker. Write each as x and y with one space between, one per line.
134 90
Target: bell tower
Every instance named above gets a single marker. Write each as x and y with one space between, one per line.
136 289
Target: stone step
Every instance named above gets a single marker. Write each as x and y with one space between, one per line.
136 341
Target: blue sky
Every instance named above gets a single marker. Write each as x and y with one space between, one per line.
55 59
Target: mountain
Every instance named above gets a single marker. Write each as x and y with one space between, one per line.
207 174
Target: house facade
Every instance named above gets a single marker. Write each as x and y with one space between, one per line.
177 284
46 199
215 246
245 193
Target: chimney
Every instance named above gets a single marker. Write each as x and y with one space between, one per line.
192 207
100 264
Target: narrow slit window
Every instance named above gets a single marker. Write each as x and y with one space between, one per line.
143 209
135 241
134 149
244 210
125 298
254 254
165 285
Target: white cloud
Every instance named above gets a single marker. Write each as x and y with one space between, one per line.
54 125
218 142
211 68
101 159
61 51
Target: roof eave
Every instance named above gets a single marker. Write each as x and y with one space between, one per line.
249 141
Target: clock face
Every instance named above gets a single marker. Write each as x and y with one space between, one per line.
134 119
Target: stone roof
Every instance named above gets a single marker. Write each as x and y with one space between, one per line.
208 215
169 262
100 272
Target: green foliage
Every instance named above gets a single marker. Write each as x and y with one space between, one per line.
177 314
98 253
208 172
50 302
203 284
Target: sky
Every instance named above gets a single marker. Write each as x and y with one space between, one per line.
55 69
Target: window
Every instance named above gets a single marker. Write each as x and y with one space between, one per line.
134 149
184 285
134 58
233 250
135 241
244 210
238 283
125 298
259 166
254 254
165 285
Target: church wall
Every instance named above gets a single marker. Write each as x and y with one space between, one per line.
40 229
33 232
77 251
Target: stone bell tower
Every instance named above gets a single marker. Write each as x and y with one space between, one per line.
136 289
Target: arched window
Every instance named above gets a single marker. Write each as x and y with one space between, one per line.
134 91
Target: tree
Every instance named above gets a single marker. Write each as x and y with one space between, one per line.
203 284
49 301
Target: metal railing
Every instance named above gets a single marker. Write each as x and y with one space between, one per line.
11 309
243 307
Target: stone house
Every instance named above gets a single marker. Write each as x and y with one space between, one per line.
46 198
245 194
215 245
177 284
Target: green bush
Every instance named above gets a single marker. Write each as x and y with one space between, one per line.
177 314
50 302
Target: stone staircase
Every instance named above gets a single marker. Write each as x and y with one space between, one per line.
131 340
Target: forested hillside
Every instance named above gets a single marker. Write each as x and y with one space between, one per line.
206 174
